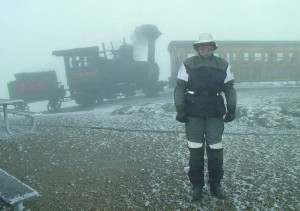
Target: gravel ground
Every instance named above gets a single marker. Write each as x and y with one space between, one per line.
133 156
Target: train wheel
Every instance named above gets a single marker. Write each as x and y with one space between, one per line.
89 102
22 106
52 107
129 93
99 100
49 107
151 91
26 107
128 90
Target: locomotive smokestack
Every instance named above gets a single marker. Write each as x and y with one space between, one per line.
151 33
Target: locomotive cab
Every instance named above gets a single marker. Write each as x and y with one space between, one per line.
92 78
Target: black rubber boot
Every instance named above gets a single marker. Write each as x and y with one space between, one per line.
218 192
197 194
196 171
216 172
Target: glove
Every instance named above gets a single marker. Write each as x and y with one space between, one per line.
229 117
181 115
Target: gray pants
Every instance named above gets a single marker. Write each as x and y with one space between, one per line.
201 130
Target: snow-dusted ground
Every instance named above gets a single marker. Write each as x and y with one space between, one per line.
133 156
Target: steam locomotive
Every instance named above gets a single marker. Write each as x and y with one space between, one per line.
92 76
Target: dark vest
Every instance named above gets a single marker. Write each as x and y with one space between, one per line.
205 84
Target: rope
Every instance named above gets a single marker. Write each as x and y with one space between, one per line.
163 131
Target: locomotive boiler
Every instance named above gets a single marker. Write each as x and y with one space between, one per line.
92 76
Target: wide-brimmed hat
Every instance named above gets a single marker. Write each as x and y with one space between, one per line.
205 38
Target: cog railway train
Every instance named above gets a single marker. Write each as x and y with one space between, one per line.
93 77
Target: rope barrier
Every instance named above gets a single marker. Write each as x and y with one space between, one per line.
162 131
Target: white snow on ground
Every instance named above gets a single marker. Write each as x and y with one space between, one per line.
144 156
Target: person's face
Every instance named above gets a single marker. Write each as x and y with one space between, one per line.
206 49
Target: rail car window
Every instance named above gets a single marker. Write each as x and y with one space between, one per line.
74 62
227 56
219 54
258 57
292 57
180 52
80 62
231 57
234 58
190 55
280 57
246 57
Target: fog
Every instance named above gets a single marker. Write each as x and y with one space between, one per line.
31 29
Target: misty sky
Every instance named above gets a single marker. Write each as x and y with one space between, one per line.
32 29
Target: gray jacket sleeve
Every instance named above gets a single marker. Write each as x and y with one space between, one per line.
179 94
180 88
229 90
230 94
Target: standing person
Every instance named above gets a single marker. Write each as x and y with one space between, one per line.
200 105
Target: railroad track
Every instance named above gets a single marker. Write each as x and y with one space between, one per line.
119 100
